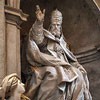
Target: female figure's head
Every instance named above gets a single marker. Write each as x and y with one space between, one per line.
12 85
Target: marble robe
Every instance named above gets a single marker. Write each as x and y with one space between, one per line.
57 75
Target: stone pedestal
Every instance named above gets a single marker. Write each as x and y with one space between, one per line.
14 18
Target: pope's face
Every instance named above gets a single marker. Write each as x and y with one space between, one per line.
20 87
56 29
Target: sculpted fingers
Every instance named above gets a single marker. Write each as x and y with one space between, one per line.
37 7
44 11
39 14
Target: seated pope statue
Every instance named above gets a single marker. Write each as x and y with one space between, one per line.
56 73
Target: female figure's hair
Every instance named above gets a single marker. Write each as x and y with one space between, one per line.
9 84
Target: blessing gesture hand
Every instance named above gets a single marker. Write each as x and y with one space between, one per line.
39 14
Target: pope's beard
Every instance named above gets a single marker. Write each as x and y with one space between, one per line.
56 32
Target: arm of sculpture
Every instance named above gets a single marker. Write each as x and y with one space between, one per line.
36 32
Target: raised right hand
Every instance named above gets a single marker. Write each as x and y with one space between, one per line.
39 14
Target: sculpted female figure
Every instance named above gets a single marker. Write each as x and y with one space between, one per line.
13 88
56 73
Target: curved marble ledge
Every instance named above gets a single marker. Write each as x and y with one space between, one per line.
95 7
89 55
